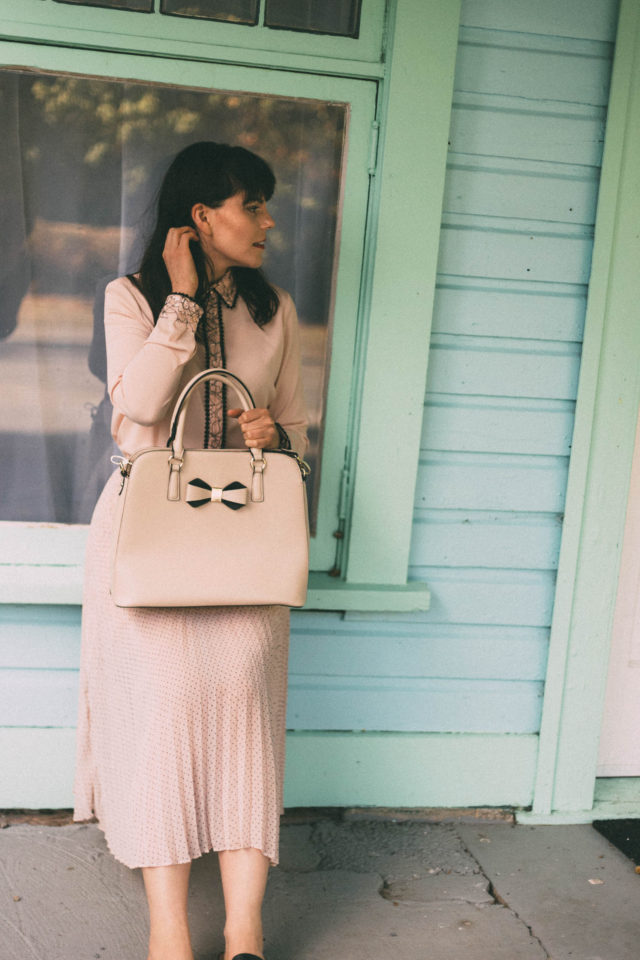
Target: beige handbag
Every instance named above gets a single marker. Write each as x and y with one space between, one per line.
210 527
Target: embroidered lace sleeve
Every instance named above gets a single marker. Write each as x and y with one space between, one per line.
145 362
182 309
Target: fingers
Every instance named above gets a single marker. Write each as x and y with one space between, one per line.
178 260
258 428
248 416
177 241
178 235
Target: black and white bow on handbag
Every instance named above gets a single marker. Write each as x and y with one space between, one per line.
207 527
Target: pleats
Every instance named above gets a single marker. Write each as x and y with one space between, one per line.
181 720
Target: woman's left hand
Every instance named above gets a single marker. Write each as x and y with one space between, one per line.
258 428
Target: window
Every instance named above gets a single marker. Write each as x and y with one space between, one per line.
143 6
337 17
233 11
273 33
79 201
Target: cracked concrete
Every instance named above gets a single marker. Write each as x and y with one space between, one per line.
346 889
579 896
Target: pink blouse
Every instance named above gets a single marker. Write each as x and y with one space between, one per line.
147 367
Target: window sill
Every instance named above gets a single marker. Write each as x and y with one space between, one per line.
62 584
42 563
329 593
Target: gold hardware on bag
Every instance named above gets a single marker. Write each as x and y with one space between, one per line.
125 469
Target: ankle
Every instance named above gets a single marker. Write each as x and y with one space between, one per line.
167 952
243 938
170 944
231 952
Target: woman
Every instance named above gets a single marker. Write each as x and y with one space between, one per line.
182 710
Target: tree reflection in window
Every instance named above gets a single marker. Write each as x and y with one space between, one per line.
339 17
231 11
78 162
142 6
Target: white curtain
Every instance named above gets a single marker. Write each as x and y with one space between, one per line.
81 165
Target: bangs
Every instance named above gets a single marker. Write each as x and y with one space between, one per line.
210 173
251 175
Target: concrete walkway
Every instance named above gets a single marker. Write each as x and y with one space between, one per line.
347 889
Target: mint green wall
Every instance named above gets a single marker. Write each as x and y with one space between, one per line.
445 705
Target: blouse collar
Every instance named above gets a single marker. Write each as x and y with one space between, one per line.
226 287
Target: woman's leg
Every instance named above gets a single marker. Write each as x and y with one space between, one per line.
167 889
244 879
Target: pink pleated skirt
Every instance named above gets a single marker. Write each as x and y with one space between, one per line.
181 725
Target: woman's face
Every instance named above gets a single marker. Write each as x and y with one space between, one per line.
234 234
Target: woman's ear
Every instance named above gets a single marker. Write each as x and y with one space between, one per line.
199 215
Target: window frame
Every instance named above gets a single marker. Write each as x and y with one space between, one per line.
132 31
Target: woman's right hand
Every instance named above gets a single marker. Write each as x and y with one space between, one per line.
178 260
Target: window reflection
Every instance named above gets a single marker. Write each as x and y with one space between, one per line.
231 11
340 17
78 162
144 6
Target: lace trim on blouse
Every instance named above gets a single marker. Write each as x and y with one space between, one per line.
182 309
211 334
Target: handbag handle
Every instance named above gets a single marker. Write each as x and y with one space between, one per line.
179 417
178 421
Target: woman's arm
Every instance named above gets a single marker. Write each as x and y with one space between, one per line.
145 363
288 408
284 424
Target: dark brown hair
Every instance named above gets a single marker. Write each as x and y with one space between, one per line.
208 173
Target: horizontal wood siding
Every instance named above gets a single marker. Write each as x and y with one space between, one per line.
517 232
323 769
329 690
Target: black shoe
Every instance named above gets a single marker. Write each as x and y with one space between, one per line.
241 956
